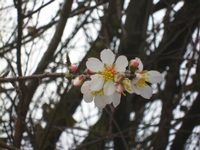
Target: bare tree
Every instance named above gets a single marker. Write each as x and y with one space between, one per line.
38 103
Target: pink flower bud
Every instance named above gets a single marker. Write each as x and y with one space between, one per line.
133 64
119 78
72 68
90 72
119 88
78 81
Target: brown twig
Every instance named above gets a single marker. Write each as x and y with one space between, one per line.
120 131
30 14
188 71
3 145
158 133
35 76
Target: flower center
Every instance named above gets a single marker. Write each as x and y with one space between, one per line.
141 82
109 72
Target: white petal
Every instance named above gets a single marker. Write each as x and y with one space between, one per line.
137 78
94 65
107 99
140 66
96 82
109 88
116 99
146 92
154 76
107 56
88 97
127 86
91 76
99 102
136 89
121 63
85 87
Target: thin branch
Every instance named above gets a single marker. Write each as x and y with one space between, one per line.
11 46
3 145
30 14
36 76
118 128
157 134
189 68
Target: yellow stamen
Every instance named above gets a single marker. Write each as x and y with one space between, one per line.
123 93
141 82
108 73
126 85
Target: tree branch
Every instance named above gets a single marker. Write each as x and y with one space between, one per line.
19 11
35 76
38 9
3 145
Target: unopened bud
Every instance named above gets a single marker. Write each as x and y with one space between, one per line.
68 76
78 81
72 68
133 64
119 88
119 78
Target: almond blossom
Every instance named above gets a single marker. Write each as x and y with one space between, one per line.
139 84
100 100
105 71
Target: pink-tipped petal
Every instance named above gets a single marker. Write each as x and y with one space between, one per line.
121 63
94 65
109 88
107 56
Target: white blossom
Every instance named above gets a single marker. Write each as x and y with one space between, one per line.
139 84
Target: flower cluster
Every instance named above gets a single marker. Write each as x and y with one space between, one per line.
109 79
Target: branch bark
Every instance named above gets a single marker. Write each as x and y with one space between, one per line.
3 145
35 76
